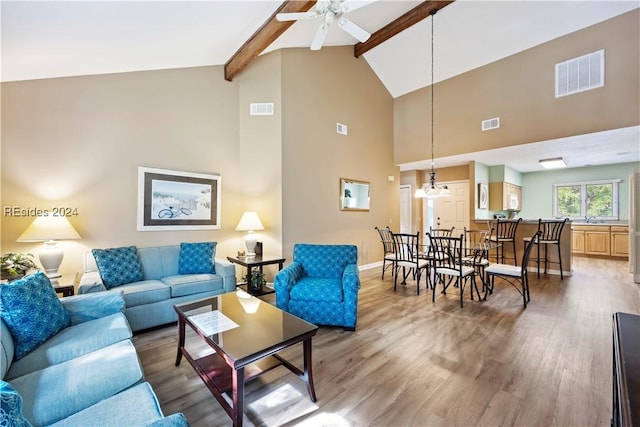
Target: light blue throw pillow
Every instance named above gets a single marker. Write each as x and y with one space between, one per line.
197 258
11 407
118 266
32 311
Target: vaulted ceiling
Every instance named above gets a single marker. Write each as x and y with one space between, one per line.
48 39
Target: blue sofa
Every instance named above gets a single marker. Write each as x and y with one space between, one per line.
86 371
157 279
321 285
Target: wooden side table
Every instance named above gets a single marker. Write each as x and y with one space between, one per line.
257 261
65 285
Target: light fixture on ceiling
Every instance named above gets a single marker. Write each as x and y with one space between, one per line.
432 189
555 163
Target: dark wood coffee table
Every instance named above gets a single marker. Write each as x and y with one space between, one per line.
246 334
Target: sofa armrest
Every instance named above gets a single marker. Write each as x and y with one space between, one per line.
227 271
82 308
283 282
174 420
351 278
91 282
350 287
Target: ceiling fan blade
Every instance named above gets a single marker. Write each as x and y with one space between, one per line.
318 39
353 29
295 16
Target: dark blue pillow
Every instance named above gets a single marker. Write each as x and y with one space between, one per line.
32 311
196 258
118 266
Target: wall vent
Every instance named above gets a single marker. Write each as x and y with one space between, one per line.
341 129
261 109
579 74
491 124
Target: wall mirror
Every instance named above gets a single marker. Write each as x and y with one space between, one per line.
354 195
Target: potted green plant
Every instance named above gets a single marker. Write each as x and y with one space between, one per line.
15 265
256 281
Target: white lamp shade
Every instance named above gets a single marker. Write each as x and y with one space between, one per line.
45 228
249 222
48 229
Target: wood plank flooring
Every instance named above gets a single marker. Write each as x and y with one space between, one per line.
412 362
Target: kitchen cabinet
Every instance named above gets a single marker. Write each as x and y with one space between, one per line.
603 240
619 241
577 245
504 196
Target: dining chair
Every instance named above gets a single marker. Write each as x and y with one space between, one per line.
505 232
550 233
450 269
386 238
442 232
475 250
513 274
407 256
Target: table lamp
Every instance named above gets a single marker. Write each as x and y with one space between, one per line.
48 229
250 223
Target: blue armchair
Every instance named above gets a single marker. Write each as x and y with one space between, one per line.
321 285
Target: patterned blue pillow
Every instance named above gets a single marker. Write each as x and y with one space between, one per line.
118 266
196 258
32 311
11 407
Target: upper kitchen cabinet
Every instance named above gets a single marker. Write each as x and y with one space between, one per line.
504 196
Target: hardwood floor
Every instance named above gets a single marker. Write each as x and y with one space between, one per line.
414 362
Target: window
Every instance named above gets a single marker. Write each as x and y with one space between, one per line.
597 199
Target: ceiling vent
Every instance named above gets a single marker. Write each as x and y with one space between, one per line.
261 109
579 74
491 124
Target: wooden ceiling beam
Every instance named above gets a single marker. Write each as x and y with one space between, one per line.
261 39
410 18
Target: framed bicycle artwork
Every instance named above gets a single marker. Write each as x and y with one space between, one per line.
174 200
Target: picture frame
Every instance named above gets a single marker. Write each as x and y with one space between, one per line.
176 200
483 196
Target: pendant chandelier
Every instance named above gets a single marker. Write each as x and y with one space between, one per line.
432 189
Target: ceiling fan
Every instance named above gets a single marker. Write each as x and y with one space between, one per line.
330 11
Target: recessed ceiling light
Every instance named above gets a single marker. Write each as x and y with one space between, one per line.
555 163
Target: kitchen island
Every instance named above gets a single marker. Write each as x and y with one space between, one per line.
528 228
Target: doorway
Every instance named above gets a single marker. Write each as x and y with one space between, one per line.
447 212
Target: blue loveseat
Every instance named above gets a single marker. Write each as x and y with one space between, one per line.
71 362
154 279
321 285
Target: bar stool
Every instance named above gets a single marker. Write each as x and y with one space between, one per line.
505 233
550 233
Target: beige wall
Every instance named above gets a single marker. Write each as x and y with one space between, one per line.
520 90
78 142
320 89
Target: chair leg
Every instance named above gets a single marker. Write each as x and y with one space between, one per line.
560 262
538 260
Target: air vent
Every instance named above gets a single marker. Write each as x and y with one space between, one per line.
261 109
341 129
491 124
579 74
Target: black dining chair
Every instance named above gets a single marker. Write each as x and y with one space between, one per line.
407 256
505 232
450 269
550 233
386 238
513 274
